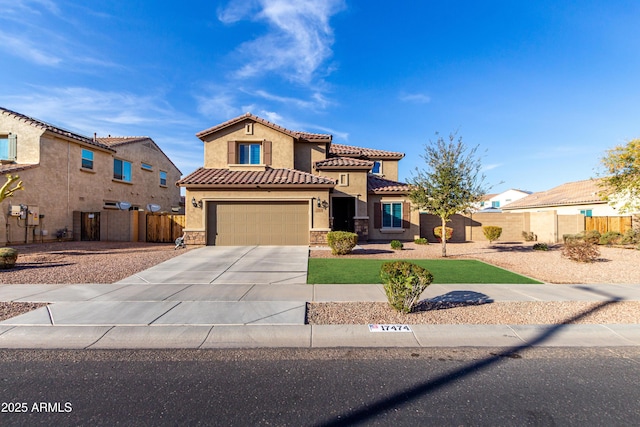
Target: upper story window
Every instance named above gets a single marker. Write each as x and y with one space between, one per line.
377 167
9 147
249 154
147 167
122 170
392 215
495 204
586 212
87 159
163 178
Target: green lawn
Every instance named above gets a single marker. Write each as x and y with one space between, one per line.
349 270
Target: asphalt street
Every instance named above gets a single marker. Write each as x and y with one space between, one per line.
322 387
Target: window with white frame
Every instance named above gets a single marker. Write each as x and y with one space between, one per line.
392 215
87 159
377 168
163 178
122 170
147 166
249 154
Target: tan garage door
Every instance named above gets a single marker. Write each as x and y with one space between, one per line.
257 223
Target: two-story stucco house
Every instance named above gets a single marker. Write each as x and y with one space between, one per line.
70 178
262 184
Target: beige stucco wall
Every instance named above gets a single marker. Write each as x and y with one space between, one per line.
59 185
28 138
216 145
410 234
389 168
307 153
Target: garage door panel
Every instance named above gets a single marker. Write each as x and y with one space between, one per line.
260 223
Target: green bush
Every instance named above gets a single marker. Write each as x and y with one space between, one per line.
528 236
396 245
404 282
580 251
421 241
8 257
591 236
492 232
630 237
438 232
341 242
611 238
540 247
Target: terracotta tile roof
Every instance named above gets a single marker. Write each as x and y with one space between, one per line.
14 167
303 136
571 193
53 129
114 141
343 162
268 177
377 184
351 151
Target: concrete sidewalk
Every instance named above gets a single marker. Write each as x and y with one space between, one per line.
233 297
244 316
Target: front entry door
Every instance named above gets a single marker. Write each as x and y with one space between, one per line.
344 209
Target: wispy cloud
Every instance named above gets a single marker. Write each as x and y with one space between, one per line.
86 110
491 166
416 98
25 49
297 43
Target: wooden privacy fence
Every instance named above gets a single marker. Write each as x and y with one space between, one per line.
608 223
164 228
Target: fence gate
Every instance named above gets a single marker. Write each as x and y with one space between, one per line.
164 228
608 223
90 226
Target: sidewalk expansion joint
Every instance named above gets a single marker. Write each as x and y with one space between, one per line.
276 314
99 338
157 318
50 315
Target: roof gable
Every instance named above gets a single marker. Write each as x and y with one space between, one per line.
571 193
343 163
54 129
117 141
301 136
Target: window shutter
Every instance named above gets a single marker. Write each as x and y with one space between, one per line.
377 215
266 152
406 215
231 152
13 147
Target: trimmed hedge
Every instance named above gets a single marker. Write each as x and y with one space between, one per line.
492 232
404 282
341 242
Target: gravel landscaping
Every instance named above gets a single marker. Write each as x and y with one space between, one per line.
109 262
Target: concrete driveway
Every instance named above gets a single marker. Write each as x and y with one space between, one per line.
230 265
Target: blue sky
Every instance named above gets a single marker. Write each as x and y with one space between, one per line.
545 87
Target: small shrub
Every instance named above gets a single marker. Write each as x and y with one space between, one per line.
540 247
8 257
421 241
396 245
438 232
528 236
611 238
630 237
341 242
404 282
492 232
580 251
591 236
567 237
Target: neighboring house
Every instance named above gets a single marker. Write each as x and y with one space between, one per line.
580 197
267 185
495 202
70 178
